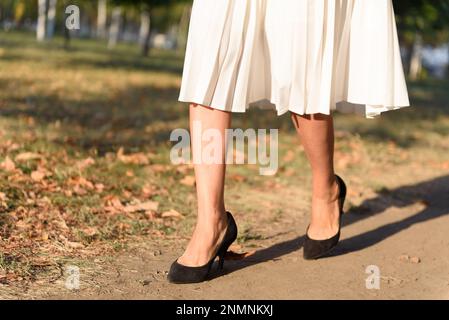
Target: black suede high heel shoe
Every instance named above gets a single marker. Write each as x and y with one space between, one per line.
315 249
182 274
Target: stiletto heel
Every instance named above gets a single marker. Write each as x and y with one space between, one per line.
182 274
315 249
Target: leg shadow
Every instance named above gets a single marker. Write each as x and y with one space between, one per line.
434 193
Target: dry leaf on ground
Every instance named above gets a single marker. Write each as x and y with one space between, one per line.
231 255
237 177
8 164
27 156
38 175
85 163
144 206
136 158
289 156
172 214
188 181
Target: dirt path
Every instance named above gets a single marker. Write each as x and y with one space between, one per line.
403 232
72 162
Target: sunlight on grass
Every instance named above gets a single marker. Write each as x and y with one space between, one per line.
84 152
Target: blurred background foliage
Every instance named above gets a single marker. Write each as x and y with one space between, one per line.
164 23
86 117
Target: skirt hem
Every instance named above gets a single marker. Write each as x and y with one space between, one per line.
344 106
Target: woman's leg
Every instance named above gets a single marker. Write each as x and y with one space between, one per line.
211 221
317 136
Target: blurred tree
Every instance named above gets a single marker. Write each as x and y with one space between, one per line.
145 31
146 8
51 18
184 26
419 22
19 12
102 18
114 28
41 20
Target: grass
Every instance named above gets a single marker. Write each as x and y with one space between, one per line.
96 123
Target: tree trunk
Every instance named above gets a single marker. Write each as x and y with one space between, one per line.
447 68
102 18
114 29
67 35
145 32
51 18
183 28
41 20
416 58
66 38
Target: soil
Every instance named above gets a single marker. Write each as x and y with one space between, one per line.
402 232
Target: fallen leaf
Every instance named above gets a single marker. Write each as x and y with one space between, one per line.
151 215
238 178
85 163
289 156
22 225
79 191
27 156
38 175
136 158
148 190
123 226
127 194
235 247
81 182
44 236
74 245
130 173
144 206
160 168
272 184
172 214
99 187
188 181
289 172
415 260
90 231
231 255
113 204
184 169
8 164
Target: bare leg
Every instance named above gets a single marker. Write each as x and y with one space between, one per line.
317 136
210 178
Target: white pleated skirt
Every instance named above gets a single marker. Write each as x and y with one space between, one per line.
303 56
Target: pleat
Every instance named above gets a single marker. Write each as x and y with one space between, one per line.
251 59
232 52
303 59
303 56
207 33
374 77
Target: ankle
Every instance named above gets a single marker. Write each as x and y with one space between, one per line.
327 192
211 213
211 222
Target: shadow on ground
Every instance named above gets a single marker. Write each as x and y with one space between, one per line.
434 194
